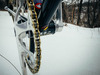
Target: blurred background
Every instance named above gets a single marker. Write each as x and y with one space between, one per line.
84 13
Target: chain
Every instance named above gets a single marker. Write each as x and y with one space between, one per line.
35 24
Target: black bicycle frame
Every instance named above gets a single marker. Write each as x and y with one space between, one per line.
47 11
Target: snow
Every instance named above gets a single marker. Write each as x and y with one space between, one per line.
8 46
74 51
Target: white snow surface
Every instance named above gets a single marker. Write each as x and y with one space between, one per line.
74 51
8 46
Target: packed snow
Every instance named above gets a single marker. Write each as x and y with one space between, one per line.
74 51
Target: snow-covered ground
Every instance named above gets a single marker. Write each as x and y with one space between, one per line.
8 46
74 51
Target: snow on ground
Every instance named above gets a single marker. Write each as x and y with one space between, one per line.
74 51
8 46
